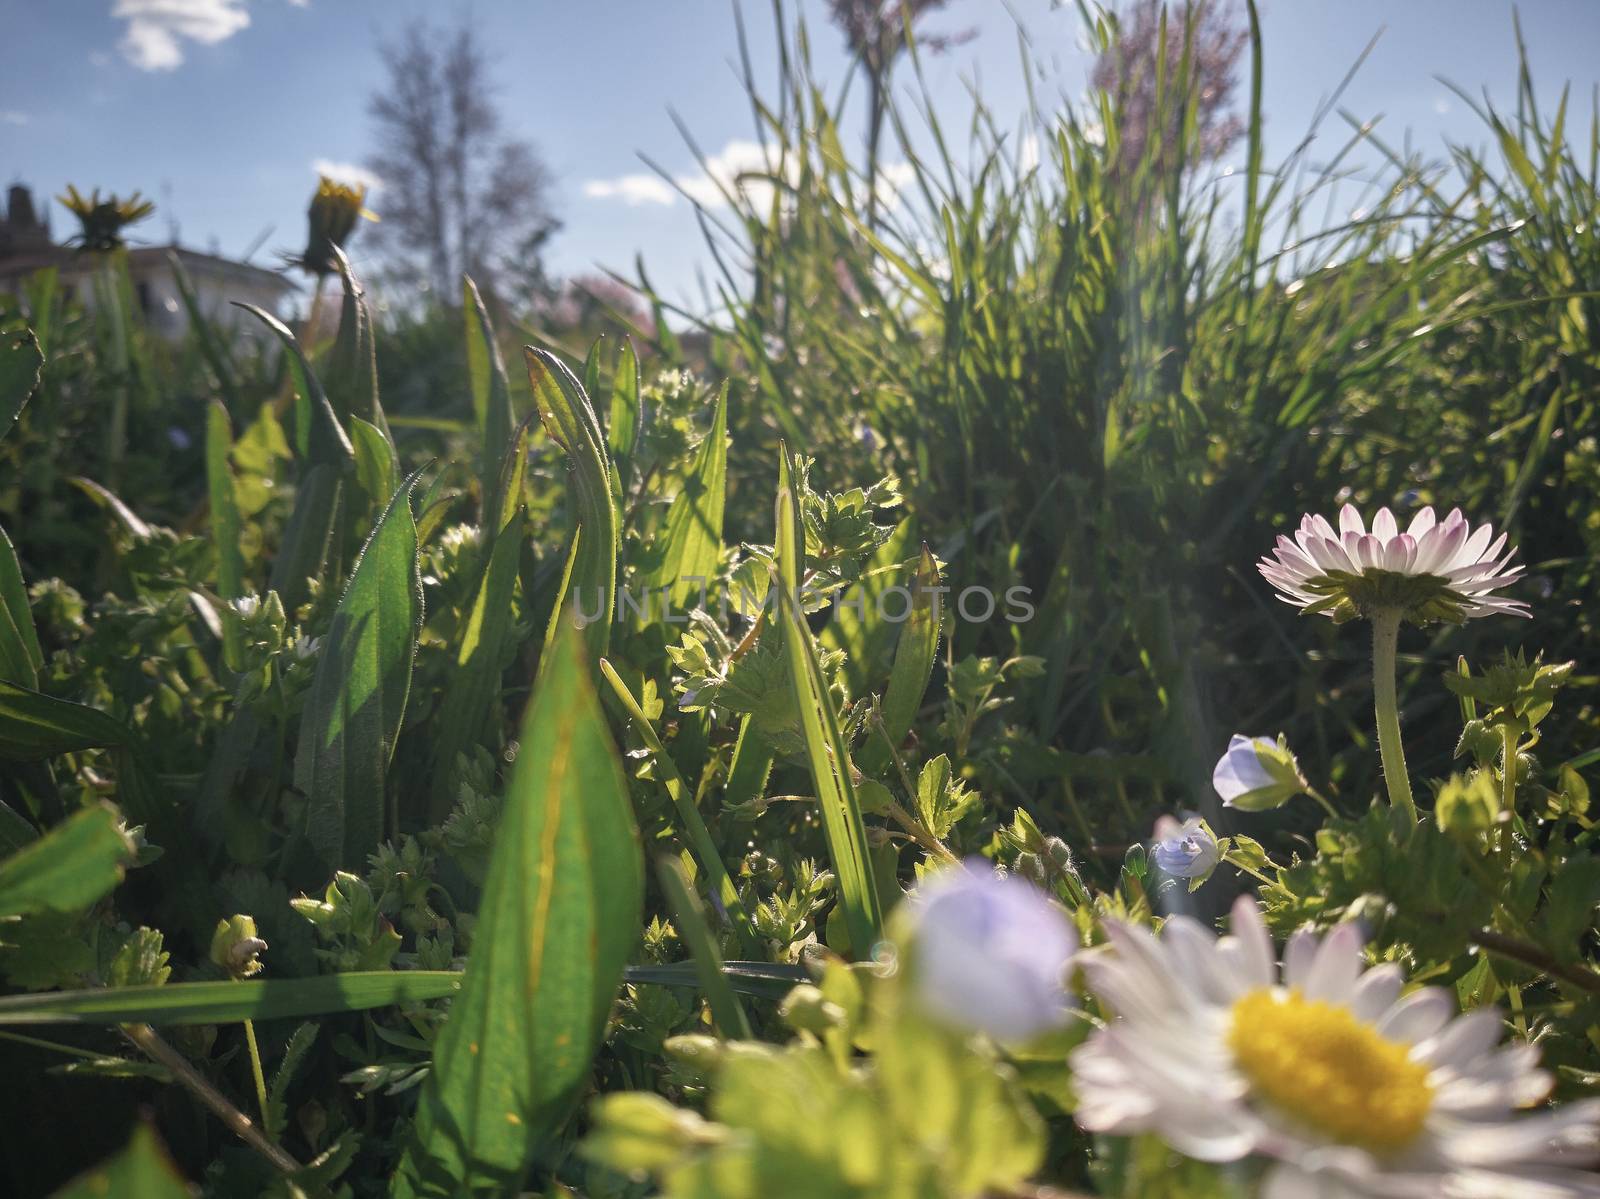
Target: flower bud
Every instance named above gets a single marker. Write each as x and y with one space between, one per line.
236 948
1187 850
990 953
1257 773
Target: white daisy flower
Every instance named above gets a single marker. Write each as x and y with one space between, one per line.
1435 570
1352 1090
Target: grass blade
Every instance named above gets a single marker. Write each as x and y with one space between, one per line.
690 918
825 750
225 529
694 827
913 666
690 547
20 655
473 686
567 414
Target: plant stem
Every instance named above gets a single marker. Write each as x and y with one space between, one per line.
238 1123
1385 638
1532 955
1508 768
255 1069
1323 800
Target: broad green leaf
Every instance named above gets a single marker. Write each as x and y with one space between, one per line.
34 726
228 1002
473 686
68 868
825 748
570 419
20 364
225 526
20 655
491 400
913 666
358 694
141 1171
559 915
690 547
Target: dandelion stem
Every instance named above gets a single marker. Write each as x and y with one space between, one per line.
1385 639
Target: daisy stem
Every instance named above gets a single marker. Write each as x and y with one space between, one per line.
1508 768
1385 639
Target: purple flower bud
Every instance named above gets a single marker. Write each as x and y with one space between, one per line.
1186 850
990 953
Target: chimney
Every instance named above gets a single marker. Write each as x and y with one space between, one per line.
19 208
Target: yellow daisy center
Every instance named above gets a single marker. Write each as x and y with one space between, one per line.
1319 1064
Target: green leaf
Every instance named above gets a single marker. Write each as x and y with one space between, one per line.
471 688
20 655
864 623
689 916
690 546
68 868
825 748
353 365
215 349
377 464
326 456
570 419
141 1171
694 826
34 726
229 1002
491 399
626 416
225 529
20 364
913 666
358 695
319 436
559 915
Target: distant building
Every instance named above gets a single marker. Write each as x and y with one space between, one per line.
26 246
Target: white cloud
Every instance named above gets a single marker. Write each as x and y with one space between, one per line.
347 172
10 116
1441 106
158 28
741 167
632 190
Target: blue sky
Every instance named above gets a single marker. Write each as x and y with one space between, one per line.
220 109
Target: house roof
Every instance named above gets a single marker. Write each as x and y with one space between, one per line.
194 261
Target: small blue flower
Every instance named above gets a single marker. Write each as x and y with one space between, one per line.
1257 773
990 953
1186 850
